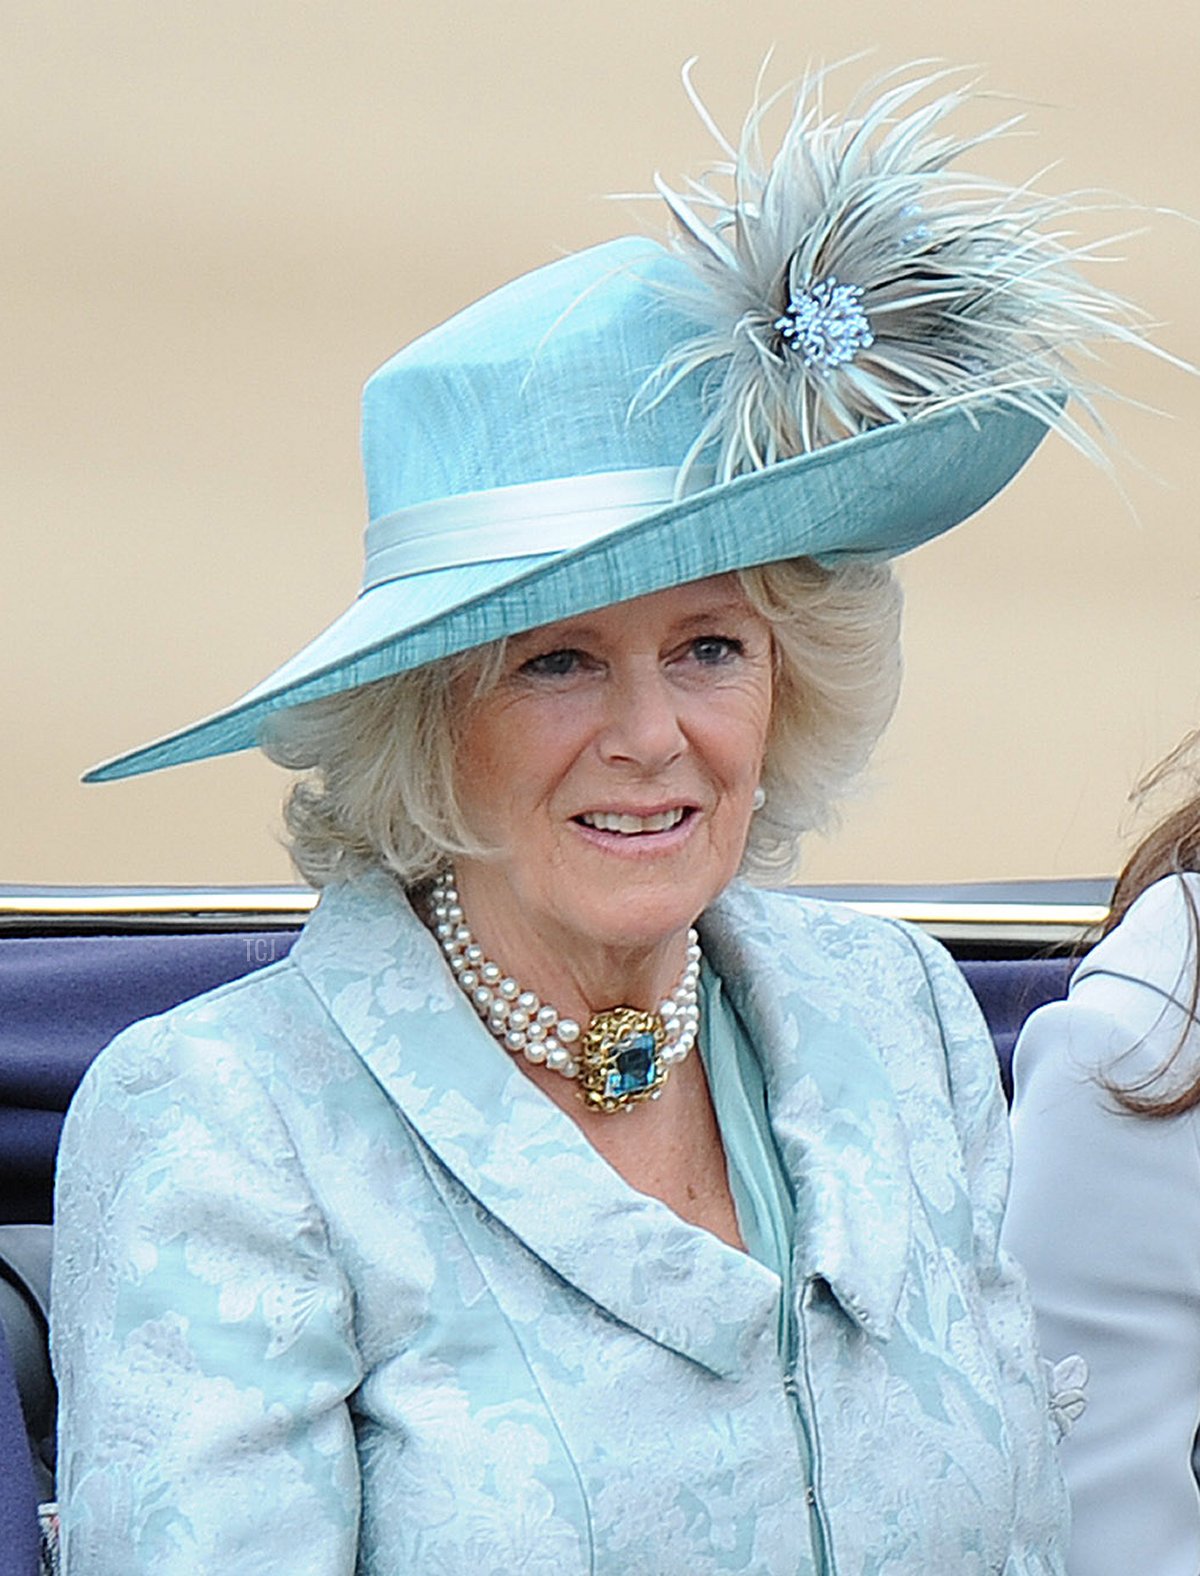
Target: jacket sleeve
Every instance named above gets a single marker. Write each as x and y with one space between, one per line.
1106 1217
201 1330
1040 1516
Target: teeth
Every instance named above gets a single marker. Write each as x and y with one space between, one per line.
631 825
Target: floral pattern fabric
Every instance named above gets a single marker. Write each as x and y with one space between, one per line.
338 1289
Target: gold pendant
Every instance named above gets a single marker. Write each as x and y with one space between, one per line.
620 1059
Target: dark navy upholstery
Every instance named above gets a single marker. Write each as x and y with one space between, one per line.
1008 990
62 998
18 1499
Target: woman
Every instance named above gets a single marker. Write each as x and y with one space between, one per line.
1106 1206
562 1204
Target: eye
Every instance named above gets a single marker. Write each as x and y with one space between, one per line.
558 664
712 650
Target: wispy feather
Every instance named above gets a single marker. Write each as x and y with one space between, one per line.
857 279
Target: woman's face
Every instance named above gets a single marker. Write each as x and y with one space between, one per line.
615 763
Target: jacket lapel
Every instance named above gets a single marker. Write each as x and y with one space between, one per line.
383 981
831 1103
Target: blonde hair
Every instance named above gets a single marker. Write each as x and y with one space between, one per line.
379 760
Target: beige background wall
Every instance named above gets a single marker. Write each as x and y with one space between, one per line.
219 217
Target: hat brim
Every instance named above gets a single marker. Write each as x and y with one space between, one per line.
875 495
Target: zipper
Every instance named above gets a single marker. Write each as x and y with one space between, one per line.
801 1403
791 1390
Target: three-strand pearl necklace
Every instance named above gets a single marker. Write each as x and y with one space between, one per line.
621 1057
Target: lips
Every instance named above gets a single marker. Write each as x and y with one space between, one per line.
634 825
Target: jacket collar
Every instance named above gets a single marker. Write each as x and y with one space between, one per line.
831 1103
381 977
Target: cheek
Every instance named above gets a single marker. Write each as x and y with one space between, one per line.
479 766
740 739
510 759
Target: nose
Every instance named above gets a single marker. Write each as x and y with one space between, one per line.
642 726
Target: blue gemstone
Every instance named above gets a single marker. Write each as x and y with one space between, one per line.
635 1066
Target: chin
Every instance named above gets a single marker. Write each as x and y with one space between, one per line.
643 922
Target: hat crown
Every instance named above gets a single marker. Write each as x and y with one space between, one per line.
534 382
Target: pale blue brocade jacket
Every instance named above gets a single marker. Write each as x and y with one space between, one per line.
338 1289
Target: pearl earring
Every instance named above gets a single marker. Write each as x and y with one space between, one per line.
759 798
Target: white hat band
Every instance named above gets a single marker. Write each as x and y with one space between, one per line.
526 521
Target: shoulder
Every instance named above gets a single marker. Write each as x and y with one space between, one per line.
819 923
837 942
1154 943
1141 977
1127 1011
889 978
224 1042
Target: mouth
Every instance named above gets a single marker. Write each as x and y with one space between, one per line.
627 825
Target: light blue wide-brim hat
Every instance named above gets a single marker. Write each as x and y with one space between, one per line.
514 478
551 450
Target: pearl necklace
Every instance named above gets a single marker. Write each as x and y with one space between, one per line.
622 1057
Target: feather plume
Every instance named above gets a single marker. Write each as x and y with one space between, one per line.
857 279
